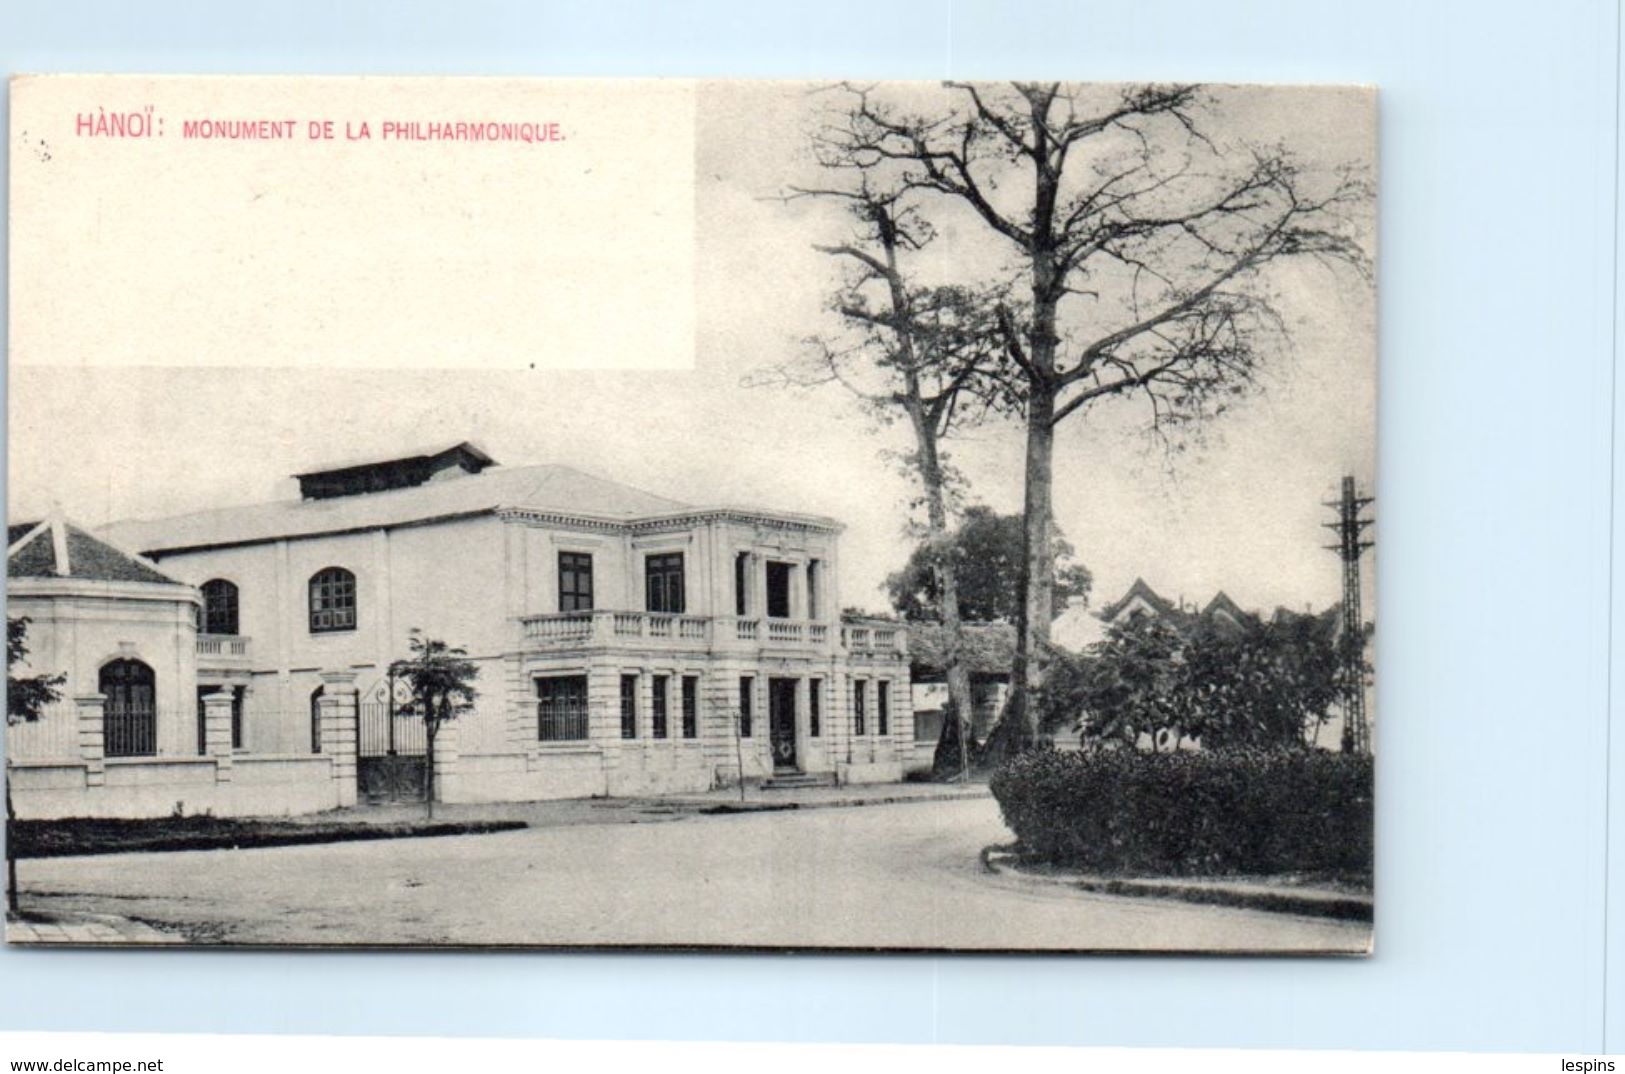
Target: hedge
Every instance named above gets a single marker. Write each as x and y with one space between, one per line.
1192 813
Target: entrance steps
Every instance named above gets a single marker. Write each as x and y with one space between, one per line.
788 781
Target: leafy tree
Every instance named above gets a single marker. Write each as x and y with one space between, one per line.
26 698
923 354
1233 686
1144 241
986 554
1133 681
440 678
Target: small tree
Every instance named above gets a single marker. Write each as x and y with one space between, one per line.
1132 683
987 552
26 698
441 678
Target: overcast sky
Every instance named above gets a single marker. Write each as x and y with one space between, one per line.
1240 511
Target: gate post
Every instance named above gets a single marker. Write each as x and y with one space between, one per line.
445 762
92 741
217 733
337 707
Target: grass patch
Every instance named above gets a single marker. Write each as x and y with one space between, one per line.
76 836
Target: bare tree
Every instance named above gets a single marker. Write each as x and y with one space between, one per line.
1141 243
926 354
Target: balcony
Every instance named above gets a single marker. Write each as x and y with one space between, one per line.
604 628
222 652
877 638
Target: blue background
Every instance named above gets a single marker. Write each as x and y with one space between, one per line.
1500 130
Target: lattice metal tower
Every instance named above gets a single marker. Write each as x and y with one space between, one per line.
1350 545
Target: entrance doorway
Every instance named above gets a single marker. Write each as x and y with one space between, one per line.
781 723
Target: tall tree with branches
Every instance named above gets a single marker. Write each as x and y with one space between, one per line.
1142 244
924 354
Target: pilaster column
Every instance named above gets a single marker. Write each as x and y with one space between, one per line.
337 707
92 741
217 732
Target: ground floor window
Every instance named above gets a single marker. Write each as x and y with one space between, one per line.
859 704
316 719
629 706
659 714
561 708
747 690
691 706
883 707
815 707
130 715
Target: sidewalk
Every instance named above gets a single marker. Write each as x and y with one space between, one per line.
574 811
1306 900
83 929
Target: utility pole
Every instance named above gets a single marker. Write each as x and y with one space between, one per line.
1350 546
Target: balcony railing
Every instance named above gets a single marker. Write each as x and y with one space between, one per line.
872 637
222 645
609 628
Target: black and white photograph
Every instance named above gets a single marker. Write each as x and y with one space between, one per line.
852 516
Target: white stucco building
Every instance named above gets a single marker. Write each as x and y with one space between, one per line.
627 643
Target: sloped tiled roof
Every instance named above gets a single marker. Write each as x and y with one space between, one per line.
544 488
989 648
88 558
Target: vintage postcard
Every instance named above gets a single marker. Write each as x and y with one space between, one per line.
683 514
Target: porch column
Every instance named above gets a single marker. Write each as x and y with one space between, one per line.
217 732
337 709
92 742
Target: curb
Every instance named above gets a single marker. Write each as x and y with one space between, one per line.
256 840
998 860
759 806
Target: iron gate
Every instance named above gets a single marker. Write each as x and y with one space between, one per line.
391 754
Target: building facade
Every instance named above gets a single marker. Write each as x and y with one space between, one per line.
626 643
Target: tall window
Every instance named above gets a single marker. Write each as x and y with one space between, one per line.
316 719
747 694
219 607
561 708
663 582
129 719
742 583
658 730
815 707
691 706
883 707
629 706
332 601
859 689
778 590
575 582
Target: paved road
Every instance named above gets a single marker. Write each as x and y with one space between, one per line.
903 875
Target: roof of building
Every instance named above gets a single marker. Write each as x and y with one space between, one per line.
1143 591
547 489
989 648
59 549
465 448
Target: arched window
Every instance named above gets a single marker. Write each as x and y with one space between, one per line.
332 601
316 719
219 607
130 719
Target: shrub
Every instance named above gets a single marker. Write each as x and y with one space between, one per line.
1192 813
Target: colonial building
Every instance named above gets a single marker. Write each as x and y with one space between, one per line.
626 642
